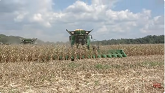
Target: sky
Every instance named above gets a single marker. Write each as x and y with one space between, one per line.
48 20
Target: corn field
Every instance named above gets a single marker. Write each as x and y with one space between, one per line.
42 53
17 53
37 69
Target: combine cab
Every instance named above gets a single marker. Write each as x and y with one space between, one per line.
82 37
28 41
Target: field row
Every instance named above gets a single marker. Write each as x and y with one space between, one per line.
42 53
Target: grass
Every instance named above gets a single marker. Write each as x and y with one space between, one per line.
100 66
151 63
73 65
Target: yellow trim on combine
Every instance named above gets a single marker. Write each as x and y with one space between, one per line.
78 29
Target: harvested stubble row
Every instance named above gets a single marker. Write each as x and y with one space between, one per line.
43 53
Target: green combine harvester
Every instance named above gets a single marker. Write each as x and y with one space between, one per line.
28 41
79 37
82 37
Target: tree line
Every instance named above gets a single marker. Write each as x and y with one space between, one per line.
150 39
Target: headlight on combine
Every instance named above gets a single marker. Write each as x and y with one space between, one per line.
72 32
86 32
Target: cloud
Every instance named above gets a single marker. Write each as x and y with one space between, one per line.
36 18
154 26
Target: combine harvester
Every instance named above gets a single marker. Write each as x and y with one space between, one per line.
28 41
82 37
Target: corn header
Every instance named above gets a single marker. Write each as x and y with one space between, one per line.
83 37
